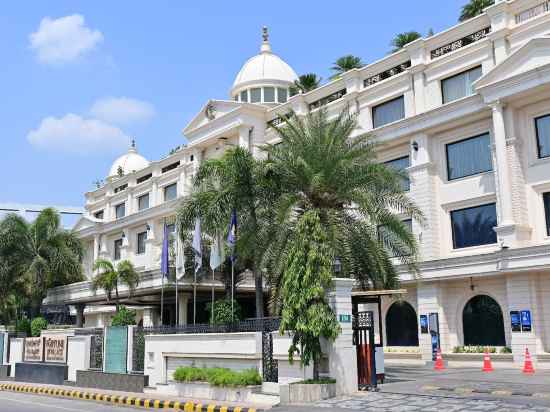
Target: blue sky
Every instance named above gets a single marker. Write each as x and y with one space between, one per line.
78 78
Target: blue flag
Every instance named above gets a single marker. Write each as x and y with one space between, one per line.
164 264
232 234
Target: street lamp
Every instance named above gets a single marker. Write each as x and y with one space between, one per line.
337 266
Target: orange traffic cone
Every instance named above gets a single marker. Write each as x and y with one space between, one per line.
487 366
438 366
528 364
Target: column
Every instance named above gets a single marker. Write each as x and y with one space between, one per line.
148 317
342 353
80 315
183 300
429 301
97 245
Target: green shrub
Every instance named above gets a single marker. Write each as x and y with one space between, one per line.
318 381
222 312
124 317
24 326
218 376
38 325
505 349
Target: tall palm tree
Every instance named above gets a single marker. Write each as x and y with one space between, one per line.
305 83
110 278
43 252
319 166
344 64
235 181
474 8
402 39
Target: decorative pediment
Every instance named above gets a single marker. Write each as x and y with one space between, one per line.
533 55
85 223
213 109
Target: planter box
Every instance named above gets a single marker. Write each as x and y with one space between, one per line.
111 381
478 357
203 390
299 393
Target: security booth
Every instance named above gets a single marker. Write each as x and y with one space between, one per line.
368 335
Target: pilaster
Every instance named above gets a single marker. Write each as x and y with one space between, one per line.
429 300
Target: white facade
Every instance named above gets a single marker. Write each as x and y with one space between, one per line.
507 53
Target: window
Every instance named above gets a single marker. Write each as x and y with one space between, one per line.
401 164
255 95
281 95
244 96
99 214
121 188
269 94
117 247
144 178
543 135
170 167
385 237
143 202
171 228
170 192
388 112
474 226
141 238
546 199
469 157
460 85
120 210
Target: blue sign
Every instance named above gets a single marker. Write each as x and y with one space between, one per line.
515 320
526 320
423 323
346 318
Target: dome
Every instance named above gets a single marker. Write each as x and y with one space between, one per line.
129 162
265 69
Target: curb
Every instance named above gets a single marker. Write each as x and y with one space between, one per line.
124 400
496 392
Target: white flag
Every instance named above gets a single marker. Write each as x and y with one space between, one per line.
180 257
216 252
197 245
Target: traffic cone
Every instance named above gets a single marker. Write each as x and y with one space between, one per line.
487 366
528 364
438 366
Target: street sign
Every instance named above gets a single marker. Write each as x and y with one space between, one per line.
526 320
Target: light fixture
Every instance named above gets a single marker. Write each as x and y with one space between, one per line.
337 265
472 286
148 227
123 235
414 145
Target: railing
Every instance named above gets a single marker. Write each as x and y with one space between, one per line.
369 81
328 99
458 44
533 12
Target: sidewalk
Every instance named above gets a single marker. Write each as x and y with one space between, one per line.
130 399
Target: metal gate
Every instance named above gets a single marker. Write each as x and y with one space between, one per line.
363 339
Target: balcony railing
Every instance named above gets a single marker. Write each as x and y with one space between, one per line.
533 12
458 44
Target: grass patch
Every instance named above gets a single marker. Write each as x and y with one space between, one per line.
320 381
222 377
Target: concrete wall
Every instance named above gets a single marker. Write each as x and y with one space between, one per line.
16 353
78 354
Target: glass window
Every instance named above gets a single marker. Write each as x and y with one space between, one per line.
388 112
383 236
282 95
543 135
255 95
170 192
117 247
141 238
546 199
143 202
460 85
244 96
120 210
269 94
99 214
474 226
401 164
236 97
469 157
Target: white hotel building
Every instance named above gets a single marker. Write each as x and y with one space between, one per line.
465 111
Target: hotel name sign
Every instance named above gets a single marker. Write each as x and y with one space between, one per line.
46 349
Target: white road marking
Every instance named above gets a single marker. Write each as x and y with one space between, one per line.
45 405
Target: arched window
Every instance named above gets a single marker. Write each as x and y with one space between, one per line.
483 322
401 325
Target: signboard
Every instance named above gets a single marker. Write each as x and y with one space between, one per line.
515 321
34 350
345 318
55 349
434 332
116 349
526 320
423 323
2 339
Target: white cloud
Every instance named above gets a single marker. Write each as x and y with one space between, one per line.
75 134
63 40
122 110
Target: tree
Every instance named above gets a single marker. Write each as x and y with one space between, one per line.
38 324
402 39
474 8
305 83
306 279
344 64
41 253
318 166
235 181
124 317
110 278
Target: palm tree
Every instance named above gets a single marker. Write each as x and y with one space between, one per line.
402 39
319 166
44 253
474 8
235 181
344 64
305 83
110 278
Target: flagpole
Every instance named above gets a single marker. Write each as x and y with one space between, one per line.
177 302
212 307
195 299
232 289
162 301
